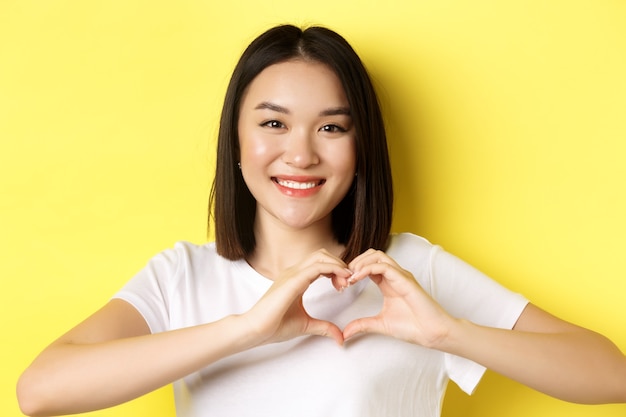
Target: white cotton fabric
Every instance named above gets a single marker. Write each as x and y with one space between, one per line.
370 376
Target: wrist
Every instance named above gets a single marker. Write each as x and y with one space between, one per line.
450 337
245 334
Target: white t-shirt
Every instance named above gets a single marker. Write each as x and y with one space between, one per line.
369 376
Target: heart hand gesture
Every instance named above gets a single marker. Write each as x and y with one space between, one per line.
408 312
279 315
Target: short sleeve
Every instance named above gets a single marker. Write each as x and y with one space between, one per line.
464 292
149 291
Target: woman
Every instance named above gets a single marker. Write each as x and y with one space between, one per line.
302 208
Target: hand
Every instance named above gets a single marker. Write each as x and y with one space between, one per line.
408 312
279 315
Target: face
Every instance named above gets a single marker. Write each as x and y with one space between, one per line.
297 144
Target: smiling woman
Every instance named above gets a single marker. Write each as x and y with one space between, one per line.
369 202
296 143
303 200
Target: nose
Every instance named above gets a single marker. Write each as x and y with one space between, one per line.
299 151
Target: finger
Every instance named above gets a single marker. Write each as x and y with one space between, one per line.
360 258
324 328
333 271
299 280
337 274
340 282
323 256
362 326
370 256
375 271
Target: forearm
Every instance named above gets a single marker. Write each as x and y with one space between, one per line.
578 365
72 378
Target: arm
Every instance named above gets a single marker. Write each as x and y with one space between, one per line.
547 354
543 352
111 357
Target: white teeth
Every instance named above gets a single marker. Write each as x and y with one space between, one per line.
297 185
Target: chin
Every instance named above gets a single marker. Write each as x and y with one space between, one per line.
299 223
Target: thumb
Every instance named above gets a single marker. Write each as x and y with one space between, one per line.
362 325
324 328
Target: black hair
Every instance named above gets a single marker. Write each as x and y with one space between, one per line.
362 219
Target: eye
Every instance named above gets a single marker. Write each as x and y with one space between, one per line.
331 128
275 124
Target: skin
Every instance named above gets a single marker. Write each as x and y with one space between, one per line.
295 126
109 358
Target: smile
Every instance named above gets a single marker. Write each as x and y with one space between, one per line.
298 185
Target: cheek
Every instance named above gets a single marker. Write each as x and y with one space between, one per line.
344 158
251 146
254 153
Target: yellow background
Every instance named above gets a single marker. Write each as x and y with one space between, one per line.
507 133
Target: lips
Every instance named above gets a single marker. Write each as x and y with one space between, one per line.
300 185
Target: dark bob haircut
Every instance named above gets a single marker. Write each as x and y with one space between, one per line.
362 220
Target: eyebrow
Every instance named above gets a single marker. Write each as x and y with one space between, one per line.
336 111
333 111
271 106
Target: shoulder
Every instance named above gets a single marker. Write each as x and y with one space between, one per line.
403 245
189 256
186 258
191 250
413 253
194 249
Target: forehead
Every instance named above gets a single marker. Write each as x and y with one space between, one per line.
295 81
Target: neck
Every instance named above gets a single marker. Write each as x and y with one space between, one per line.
279 247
